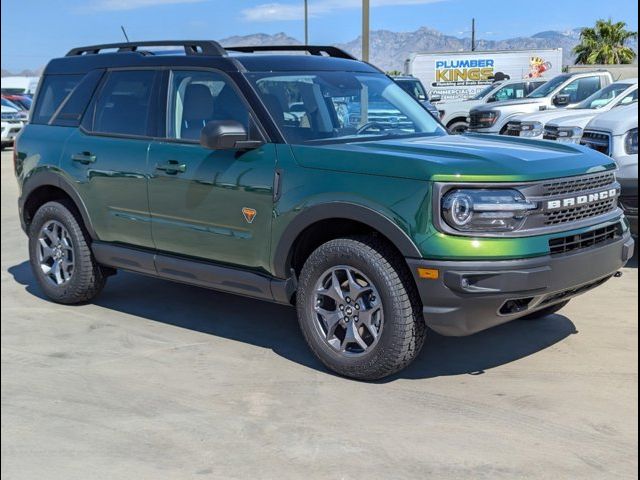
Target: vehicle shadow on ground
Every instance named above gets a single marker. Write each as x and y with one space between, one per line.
275 327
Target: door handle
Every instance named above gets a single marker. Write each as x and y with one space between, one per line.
172 167
84 158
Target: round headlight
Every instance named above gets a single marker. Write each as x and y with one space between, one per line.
485 210
460 209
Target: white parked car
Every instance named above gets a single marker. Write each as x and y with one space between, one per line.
615 133
559 92
12 122
454 115
566 125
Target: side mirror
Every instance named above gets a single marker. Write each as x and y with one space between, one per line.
492 99
226 135
435 98
561 100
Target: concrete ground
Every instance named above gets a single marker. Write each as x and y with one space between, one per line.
158 380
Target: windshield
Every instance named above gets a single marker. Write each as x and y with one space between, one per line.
10 104
604 97
484 92
413 88
549 87
327 106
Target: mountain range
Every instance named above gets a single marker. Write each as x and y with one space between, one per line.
389 50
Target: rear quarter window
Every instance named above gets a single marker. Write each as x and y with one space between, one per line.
53 91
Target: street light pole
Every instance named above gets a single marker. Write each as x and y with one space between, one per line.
365 30
306 22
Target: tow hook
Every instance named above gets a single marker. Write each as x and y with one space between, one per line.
618 274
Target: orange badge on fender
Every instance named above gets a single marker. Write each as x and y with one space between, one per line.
249 214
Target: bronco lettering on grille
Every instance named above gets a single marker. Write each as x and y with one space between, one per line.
582 199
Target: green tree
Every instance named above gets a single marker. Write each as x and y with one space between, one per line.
605 44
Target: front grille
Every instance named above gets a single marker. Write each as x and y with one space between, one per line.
558 246
514 129
595 209
474 120
598 141
550 133
629 204
578 184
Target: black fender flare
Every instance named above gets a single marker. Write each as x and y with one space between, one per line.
339 211
53 179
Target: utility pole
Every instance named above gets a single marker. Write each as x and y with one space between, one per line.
365 30
306 22
473 34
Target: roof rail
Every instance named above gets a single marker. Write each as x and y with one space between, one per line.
191 47
312 49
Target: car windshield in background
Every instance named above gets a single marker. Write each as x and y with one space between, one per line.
606 96
549 87
316 106
484 92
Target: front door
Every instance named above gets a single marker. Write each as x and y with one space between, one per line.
213 205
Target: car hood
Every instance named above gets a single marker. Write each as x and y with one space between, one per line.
463 105
578 120
532 103
455 158
617 121
549 115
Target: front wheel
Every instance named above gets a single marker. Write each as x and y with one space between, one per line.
60 256
358 308
458 128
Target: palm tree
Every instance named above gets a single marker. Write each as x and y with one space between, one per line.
605 44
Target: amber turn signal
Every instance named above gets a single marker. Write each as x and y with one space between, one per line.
429 273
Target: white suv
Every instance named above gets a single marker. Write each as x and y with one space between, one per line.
12 122
566 125
454 115
559 92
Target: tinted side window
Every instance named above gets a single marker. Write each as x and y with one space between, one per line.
125 103
581 88
71 110
197 97
53 91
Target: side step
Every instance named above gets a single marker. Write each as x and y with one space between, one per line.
195 272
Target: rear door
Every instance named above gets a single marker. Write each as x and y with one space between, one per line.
215 205
107 156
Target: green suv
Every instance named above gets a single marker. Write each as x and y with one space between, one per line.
252 171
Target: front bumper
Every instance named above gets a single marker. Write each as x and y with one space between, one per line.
470 296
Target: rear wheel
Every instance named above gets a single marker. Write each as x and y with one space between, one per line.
358 309
60 256
545 312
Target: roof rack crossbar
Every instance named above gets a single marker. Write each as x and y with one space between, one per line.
191 47
318 50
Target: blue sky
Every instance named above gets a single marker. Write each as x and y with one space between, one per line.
35 30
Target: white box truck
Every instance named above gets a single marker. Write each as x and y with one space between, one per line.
456 76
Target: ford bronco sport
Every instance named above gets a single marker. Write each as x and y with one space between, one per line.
238 169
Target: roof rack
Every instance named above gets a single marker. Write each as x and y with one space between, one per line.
312 49
191 47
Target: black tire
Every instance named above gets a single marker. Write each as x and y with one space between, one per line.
403 333
545 312
458 128
87 278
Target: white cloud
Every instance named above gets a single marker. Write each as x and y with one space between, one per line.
271 12
118 5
